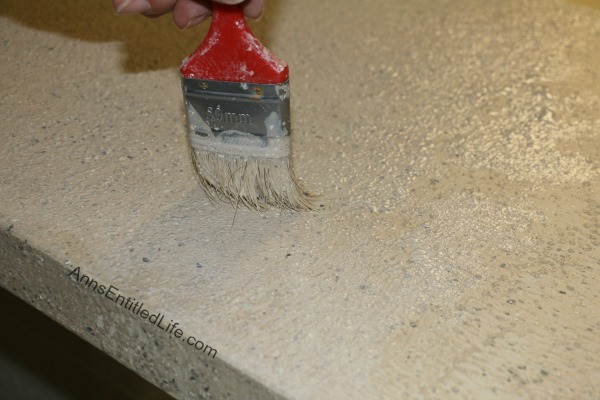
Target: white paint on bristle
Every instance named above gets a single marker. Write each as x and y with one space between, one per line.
256 183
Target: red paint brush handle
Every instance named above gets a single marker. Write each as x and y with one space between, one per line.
231 53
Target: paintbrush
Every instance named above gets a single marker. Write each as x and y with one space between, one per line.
237 99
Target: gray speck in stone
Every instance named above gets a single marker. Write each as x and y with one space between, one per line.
198 265
193 375
562 292
145 259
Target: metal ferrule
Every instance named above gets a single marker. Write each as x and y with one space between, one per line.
238 118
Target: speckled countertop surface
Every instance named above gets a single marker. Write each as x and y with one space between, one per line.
455 147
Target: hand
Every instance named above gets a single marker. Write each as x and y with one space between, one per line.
186 13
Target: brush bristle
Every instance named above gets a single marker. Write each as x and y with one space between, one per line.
257 183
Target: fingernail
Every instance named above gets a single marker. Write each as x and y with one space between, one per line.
252 10
259 17
134 7
195 21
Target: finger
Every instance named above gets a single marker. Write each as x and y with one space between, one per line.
159 7
254 9
188 13
146 7
131 6
229 1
